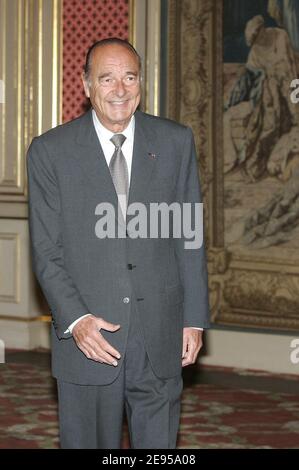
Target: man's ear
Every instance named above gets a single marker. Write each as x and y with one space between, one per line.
85 84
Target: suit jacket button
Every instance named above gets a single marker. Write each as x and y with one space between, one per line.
126 300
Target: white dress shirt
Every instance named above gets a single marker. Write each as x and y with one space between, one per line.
104 136
108 147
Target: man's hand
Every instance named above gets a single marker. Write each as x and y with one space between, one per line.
87 335
192 343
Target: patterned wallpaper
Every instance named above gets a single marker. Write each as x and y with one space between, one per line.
84 22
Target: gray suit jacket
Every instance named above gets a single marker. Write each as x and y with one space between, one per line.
80 273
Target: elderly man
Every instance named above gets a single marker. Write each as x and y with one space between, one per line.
127 311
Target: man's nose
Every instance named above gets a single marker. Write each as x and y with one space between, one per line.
120 88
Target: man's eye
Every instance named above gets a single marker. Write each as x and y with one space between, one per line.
131 79
106 80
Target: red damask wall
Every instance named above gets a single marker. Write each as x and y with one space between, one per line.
84 22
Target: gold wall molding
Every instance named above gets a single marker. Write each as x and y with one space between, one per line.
145 35
10 262
30 67
133 22
190 91
16 318
23 308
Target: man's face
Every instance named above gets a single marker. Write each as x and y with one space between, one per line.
113 85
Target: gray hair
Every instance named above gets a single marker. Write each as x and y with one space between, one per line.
106 42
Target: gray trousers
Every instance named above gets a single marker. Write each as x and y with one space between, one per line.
91 416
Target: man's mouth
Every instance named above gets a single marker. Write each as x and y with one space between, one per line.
118 102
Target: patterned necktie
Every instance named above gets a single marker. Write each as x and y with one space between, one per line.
119 172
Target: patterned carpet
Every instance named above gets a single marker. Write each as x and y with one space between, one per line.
213 415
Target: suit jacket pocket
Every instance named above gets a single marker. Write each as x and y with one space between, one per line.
175 294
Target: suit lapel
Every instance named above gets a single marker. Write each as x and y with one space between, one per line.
142 163
92 160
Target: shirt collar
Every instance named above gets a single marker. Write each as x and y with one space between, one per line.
106 134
